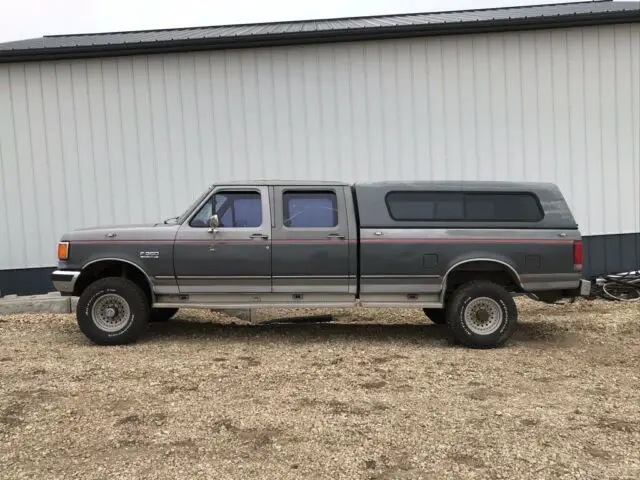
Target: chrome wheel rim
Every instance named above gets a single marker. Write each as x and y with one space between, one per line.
110 312
483 316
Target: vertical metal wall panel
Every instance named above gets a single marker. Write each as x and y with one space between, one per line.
135 139
633 144
25 169
626 99
59 205
10 253
40 188
158 118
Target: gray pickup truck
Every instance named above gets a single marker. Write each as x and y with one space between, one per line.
457 250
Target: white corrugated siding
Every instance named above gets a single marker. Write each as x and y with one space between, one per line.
135 139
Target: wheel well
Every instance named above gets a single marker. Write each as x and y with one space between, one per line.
492 271
112 268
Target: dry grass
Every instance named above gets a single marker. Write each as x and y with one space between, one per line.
374 395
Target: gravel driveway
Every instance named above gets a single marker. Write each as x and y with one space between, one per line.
374 395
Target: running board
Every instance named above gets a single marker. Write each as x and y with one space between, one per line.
232 306
278 300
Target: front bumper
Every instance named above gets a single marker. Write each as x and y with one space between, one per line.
64 281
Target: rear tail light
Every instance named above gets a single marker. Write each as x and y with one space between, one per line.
63 251
577 255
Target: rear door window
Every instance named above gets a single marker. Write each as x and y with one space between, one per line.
310 209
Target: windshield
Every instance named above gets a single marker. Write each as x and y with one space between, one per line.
184 215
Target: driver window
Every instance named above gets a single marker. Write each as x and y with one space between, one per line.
234 209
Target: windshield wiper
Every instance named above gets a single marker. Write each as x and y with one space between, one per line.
172 218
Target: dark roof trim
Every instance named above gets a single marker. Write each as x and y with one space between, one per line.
317 37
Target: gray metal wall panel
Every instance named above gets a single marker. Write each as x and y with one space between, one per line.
134 139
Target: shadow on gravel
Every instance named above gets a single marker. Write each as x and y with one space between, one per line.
535 331
308 330
302 332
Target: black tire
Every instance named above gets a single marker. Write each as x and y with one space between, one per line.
436 315
124 294
162 314
499 326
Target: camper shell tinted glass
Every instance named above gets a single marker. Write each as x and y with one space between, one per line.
464 206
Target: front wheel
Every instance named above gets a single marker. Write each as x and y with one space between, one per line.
482 314
113 311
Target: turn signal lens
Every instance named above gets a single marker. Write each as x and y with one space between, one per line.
63 250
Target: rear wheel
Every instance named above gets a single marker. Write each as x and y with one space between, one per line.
113 311
436 315
482 314
162 314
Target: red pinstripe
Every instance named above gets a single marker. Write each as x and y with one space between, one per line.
333 242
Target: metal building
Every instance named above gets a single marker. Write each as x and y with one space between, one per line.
130 127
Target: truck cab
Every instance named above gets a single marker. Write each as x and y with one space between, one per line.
272 244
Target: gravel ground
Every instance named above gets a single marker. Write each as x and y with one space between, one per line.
374 395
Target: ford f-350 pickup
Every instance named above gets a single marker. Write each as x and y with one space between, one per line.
457 250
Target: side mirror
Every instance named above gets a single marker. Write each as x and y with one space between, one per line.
214 222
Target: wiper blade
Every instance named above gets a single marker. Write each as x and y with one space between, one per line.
172 218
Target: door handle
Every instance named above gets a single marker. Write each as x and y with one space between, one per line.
260 236
336 236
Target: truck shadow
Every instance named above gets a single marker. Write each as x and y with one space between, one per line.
312 330
299 332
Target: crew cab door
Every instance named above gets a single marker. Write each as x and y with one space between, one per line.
311 243
235 257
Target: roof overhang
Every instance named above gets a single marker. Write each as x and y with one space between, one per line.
319 37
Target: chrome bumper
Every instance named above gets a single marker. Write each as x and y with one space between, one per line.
585 288
64 281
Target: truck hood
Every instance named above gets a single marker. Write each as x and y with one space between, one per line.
140 231
131 226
